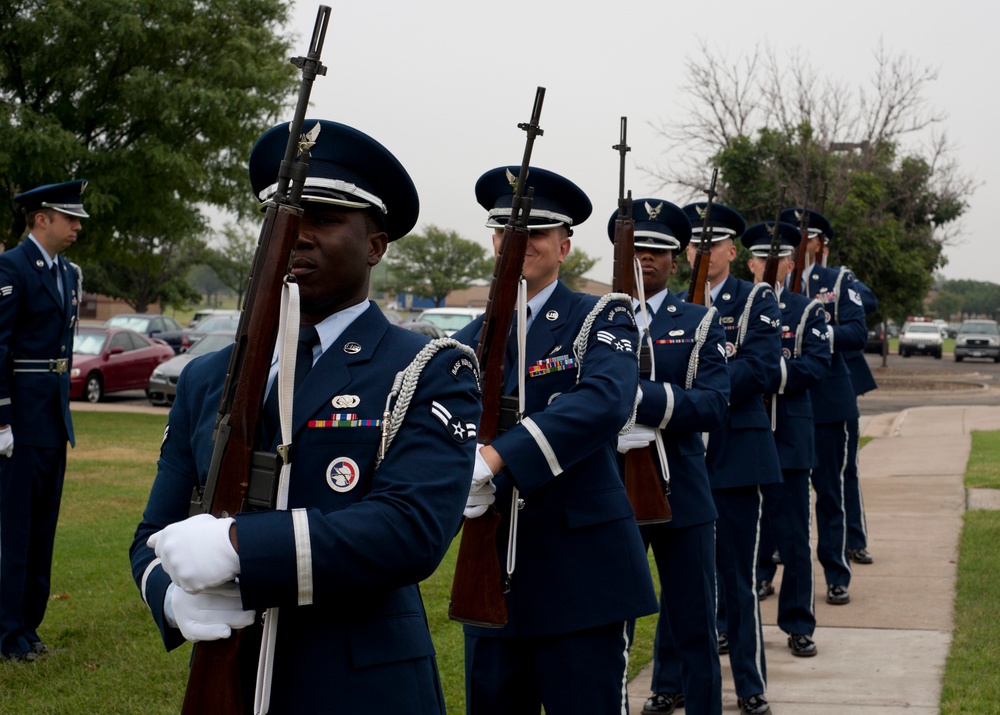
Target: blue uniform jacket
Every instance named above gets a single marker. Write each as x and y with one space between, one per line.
356 554
580 559
752 366
683 414
35 324
834 399
805 361
861 375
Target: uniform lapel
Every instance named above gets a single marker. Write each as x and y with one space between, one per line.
541 339
332 372
44 274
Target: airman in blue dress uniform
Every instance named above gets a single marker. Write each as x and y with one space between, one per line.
805 361
581 572
686 393
854 503
39 299
833 401
751 319
344 560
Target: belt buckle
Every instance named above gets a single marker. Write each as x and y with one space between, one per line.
58 365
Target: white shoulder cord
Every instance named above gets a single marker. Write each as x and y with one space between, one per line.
397 403
700 336
745 317
836 293
284 383
801 329
515 494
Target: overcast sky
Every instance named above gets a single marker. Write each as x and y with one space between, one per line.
443 84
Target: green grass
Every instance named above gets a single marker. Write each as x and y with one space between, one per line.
948 346
110 659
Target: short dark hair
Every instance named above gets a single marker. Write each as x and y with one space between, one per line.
32 215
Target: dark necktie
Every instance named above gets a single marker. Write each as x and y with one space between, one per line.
308 337
55 277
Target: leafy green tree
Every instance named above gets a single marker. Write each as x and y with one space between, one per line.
232 261
573 268
157 104
767 124
434 263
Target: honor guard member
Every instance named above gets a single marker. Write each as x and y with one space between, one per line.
833 401
686 393
581 571
854 504
805 361
39 298
343 562
741 455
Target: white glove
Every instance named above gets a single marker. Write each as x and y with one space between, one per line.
210 615
481 472
640 436
7 442
196 553
480 498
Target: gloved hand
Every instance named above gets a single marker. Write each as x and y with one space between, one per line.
210 615
481 472
640 436
480 498
196 553
6 442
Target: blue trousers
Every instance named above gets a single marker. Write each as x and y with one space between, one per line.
686 651
831 519
570 674
787 510
31 483
854 503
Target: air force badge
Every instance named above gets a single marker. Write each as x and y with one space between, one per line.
342 474
460 430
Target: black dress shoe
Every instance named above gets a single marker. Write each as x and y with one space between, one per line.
39 648
764 589
837 595
28 657
723 643
802 645
860 556
753 705
663 703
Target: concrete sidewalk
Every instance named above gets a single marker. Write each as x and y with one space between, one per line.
885 651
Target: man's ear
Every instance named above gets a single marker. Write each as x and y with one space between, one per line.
378 242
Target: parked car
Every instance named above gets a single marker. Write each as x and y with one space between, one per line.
162 387
211 313
424 328
978 339
149 324
921 337
450 320
181 340
876 341
111 360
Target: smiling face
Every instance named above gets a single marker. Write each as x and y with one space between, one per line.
334 254
547 248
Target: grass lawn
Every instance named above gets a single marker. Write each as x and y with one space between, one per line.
110 659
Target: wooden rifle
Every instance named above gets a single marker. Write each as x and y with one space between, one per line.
771 267
238 467
795 284
643 483
477 592
821 252
697 292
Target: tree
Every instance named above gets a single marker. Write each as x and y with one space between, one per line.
573 268
233 260
433 264
767 125
157 104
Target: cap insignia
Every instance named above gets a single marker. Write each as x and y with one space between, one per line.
654 212
308 140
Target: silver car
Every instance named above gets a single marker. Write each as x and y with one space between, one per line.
978 339
162 386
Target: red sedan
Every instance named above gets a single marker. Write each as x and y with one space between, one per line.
111 360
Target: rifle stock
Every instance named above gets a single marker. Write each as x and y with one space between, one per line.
477 591
216 683
697 290
643 483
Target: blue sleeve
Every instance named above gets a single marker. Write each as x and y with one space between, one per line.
756 359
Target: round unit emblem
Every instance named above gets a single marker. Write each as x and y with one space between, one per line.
730 350
342 474
352 348
552 315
